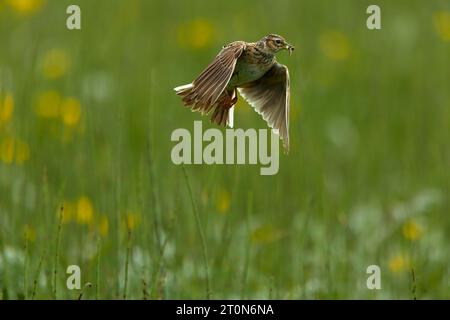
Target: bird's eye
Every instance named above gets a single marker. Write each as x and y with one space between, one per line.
278 41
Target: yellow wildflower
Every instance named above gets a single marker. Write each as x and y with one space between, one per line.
399 263
196 34
132 220
55 64
22 151
265 234
6 109
103 226
441 21
25 6
29 232
71 112
223 201
412 231
7 150
14 149
85 211
334 45
48 104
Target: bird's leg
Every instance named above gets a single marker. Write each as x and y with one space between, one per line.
234 97
227 100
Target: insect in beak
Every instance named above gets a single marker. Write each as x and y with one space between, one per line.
290 48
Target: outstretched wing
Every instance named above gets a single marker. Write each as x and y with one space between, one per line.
206 89
270 96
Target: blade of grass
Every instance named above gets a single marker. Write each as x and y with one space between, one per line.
87 285
157 271
200 231
144 287
247 247
38 272
56 259
25 268
97 287
413 285
151 162
127 262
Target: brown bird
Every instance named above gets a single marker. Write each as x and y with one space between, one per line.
250 68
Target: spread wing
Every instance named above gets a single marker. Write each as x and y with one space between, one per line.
270 96
208 86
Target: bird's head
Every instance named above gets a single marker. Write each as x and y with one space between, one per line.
274 43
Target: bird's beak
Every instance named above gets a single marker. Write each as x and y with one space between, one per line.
290 48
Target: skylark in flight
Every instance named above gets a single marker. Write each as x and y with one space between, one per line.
250 68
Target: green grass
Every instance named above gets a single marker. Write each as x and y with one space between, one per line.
367 180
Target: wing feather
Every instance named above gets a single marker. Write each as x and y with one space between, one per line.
210 84
270 97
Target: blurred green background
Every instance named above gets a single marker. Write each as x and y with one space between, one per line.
85 124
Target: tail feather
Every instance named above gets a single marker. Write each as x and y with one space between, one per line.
220 116
189 97
224 113
181 90
223 107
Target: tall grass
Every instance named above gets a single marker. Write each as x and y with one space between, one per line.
127 264
366 181
56 253
200 233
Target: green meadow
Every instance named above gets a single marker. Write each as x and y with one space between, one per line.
86 176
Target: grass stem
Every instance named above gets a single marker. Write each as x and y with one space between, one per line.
25 268
97 287
200 231
56 260
413 286
127 262
38 272
247 247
